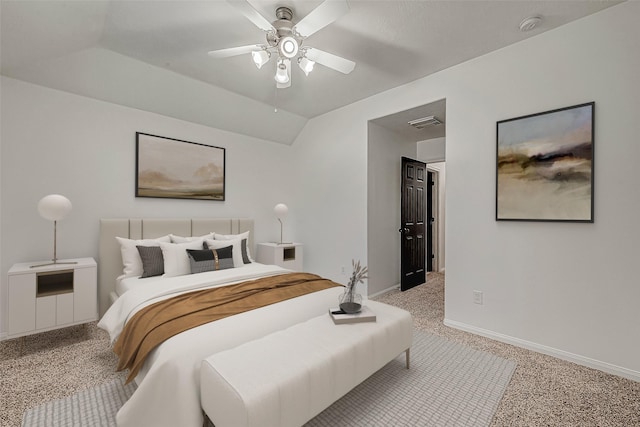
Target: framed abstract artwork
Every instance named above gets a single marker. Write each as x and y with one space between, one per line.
544 166
175 169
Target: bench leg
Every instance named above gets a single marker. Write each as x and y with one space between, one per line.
407 352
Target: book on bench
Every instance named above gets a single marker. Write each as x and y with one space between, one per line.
339 317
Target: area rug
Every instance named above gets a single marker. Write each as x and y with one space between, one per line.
449 384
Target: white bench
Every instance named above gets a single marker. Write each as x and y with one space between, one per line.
290 376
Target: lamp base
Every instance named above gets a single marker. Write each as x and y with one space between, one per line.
53 262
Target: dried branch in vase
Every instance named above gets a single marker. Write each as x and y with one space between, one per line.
358 276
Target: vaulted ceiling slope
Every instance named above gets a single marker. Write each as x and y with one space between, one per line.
152 55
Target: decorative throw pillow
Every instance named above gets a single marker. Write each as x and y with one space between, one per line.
180 239
176 259
246 253
237 249
210 259
152 261
131 257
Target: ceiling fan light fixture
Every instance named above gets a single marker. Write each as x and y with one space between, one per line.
306 65
260 57
288 47
282 76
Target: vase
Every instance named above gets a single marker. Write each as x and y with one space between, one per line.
350 302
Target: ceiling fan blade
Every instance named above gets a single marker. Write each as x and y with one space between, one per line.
321 16
252 14
330 60
234 51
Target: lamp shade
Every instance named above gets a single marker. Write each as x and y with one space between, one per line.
54 207
281 210
260 57
282 75
306 65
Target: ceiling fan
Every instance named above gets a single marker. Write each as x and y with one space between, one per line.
285 39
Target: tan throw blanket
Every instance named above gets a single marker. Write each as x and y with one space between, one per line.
158 322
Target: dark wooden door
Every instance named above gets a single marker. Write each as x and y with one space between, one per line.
412 228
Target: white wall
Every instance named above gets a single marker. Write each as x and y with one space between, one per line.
56 142
384 167
568 289
432 150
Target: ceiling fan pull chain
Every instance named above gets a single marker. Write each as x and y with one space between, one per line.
275 100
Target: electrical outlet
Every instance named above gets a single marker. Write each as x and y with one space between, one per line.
477 297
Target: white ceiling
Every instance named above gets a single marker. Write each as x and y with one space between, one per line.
392 42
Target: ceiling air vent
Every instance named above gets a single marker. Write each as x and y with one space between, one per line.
425 121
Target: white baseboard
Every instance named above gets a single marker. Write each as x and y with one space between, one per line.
560 354
384 291
3 336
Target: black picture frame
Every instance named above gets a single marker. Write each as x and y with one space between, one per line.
545 166
176 169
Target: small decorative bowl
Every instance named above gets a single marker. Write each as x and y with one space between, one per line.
350 307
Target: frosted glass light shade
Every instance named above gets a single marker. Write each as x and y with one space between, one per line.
260 57
306 65
281 210
282 76
54 207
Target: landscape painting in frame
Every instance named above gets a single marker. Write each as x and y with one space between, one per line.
545 166
171 168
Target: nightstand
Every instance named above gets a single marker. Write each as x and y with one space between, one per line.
286 255
52 296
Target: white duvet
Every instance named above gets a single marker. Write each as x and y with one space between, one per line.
168 392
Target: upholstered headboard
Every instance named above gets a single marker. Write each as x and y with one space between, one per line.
110 257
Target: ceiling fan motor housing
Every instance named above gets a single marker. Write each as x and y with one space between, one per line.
283 26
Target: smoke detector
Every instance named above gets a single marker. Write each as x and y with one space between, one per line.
425 121
530 23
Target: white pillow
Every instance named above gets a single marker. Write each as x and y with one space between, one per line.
176 258
236 251
240 236
131 257
180 239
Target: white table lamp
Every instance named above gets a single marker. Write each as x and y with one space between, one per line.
54 207
281 210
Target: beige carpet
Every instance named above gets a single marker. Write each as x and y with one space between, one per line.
449 385
544 391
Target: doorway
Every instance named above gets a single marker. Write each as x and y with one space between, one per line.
435 238
389 139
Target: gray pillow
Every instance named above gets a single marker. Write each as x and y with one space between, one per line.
210 259
245 255
152 261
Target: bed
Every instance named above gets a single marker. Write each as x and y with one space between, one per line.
168 392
